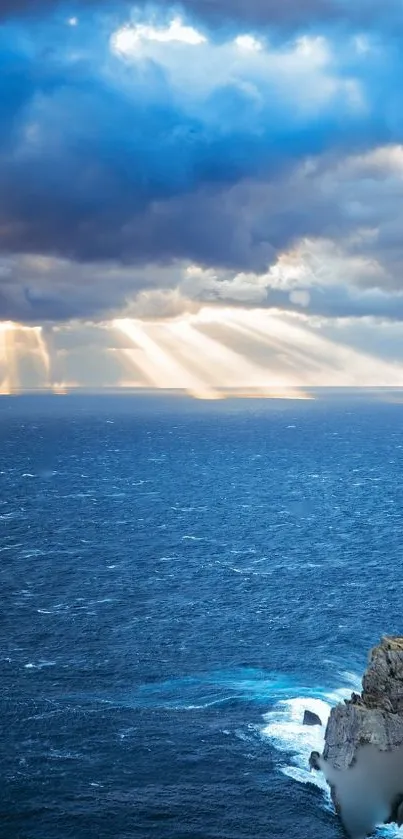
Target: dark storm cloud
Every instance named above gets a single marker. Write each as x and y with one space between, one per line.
96 156
287 14
240 227
36 289
293 13
38 8
104 161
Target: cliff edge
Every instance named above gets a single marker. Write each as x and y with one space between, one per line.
373 717
363 754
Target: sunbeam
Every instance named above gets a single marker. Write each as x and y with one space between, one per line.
24 358
43 352
5 360
176 354
228 368
209 354
318 360
159 365
225 367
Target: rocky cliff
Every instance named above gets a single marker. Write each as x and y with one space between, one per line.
363 754
373 717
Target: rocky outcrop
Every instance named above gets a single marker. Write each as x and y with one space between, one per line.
311 719
364 742
383 680
374 717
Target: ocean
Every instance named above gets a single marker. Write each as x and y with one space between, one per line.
180 580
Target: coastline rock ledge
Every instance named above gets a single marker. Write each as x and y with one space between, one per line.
373 717
364 742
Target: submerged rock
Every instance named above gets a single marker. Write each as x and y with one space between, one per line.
311 719
373 718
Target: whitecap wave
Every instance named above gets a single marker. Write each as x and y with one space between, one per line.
286 732
285 729
295 741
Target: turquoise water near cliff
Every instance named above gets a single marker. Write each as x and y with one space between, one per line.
180 580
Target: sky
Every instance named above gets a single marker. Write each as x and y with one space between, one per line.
201 195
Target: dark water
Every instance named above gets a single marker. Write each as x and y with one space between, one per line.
170 572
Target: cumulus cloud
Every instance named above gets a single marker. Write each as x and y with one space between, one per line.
133 145
357 273
114 145
34 289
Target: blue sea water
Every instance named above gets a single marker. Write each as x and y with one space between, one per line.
179 581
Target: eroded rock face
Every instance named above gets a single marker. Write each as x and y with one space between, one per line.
374 717
352 726
383 679
371 720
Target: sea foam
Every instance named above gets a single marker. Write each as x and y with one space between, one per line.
284 728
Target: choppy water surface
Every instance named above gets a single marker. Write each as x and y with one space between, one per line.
179 581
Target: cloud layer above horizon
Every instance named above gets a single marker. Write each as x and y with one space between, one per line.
158 157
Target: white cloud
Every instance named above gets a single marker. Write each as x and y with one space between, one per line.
315 49
130 38
304 72
207 284
248 42
322 262
382 161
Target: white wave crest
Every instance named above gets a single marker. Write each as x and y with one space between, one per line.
284 728
295 741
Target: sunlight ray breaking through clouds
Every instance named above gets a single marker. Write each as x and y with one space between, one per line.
208 353
180 356
224 180
24 358
160 366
